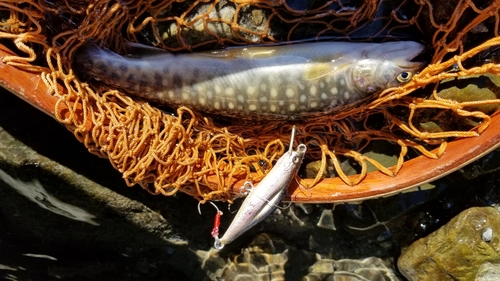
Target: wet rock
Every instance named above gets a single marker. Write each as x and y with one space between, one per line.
261 260
217 19
211 263
457 250
306 208
473 88
371 268
326 220
382 152
489 164
488 272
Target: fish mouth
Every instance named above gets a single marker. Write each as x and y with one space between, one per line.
413 66
411 56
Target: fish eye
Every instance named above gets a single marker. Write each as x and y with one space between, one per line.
404 77
296 159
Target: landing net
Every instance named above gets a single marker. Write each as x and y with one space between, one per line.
189 152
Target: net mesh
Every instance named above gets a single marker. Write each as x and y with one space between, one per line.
189 152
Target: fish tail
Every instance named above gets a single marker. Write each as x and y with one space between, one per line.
82 61
91 61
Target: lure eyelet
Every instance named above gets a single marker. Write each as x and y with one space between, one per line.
404 77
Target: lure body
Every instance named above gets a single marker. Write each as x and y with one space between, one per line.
271 82
264 198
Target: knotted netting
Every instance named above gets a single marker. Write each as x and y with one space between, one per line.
186 151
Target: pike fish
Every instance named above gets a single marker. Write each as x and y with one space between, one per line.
264 198
267 82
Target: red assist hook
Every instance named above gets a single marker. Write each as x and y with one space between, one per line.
215 230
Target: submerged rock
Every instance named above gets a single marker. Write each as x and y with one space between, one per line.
457 250
261 260
371 268
472 89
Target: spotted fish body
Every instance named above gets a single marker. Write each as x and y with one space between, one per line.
272 82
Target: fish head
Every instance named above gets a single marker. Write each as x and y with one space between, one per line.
392 68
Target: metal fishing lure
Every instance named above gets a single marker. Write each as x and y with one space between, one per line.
263 198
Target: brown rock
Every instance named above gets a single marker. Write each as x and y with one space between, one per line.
456 250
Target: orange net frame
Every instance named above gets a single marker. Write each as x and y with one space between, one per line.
186 151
